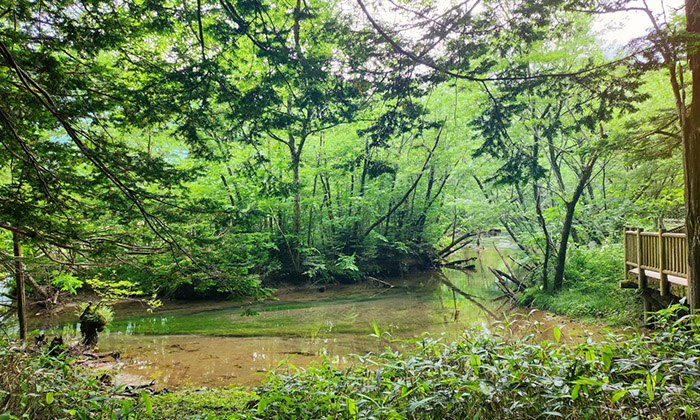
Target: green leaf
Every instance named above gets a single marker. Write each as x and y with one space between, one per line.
557 334
5 416
619 394
574 391
352 407
376 330
607 359
147 403
49 397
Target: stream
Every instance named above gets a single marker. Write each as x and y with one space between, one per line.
213 344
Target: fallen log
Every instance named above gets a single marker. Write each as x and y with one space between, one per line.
515 280
505 261
503 284
450 249
385 284
459 263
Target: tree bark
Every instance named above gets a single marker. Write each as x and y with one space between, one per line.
19 280
568 222
297 195
691 159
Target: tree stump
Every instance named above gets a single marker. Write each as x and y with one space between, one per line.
91 323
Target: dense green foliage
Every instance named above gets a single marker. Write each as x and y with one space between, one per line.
202 404
491 376
206 148
591 291
48 385
220 147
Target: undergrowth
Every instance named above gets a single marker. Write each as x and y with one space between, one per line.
489 376
201 404
590 290
485 375
46 384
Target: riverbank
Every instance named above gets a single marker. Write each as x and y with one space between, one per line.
222 343
482 375
591 293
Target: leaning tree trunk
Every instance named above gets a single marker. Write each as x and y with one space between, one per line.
563 244
568 222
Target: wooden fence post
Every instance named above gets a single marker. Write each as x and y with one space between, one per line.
641 275
624 246
663 277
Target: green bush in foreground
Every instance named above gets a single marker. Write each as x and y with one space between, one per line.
490 376
39 385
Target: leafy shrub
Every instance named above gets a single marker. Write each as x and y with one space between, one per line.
41 386
99 314
489 376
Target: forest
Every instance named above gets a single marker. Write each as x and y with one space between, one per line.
355 209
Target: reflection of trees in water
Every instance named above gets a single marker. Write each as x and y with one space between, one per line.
473 299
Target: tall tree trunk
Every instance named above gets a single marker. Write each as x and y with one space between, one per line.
311 213
568 222
563 244
691 159
538 209
19 279
296 219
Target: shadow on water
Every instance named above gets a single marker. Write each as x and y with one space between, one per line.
213 344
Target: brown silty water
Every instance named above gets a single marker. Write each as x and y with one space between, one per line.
212 344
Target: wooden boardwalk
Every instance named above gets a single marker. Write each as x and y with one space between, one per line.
658 255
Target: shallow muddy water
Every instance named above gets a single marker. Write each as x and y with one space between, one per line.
212 344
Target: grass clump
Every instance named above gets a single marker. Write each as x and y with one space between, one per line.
590 290
201 404
489 376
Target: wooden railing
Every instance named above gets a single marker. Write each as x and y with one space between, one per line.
661 255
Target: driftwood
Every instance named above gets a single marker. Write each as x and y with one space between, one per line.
446 251
134 390
97 356
503 284
386 284
461 264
